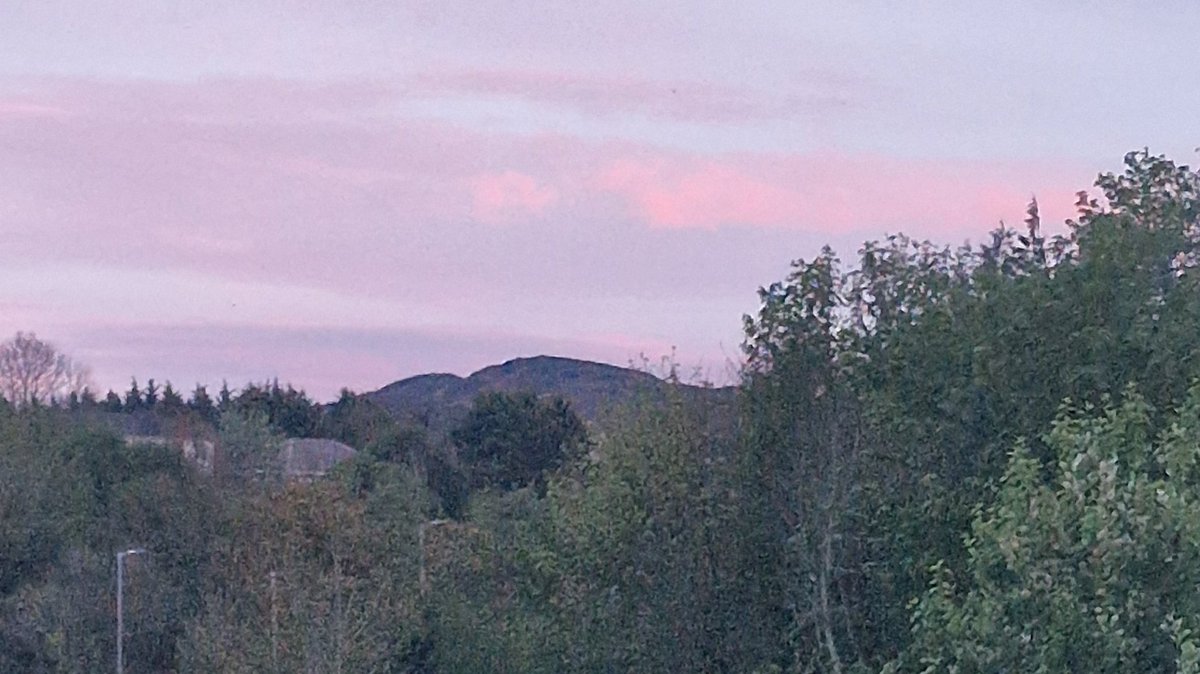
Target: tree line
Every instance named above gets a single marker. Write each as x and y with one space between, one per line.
972 459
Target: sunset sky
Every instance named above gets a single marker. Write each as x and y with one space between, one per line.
347 192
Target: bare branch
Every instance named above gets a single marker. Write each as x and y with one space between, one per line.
33 371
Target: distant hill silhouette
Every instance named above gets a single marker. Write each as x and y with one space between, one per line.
593 389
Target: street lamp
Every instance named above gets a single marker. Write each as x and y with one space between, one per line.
121 604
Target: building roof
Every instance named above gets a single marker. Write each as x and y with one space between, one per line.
308 457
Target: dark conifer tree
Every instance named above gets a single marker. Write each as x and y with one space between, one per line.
133 397
202 404
151 397
112 402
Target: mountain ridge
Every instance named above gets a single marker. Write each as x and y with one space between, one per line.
592 388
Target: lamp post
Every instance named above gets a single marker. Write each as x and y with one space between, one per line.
121 604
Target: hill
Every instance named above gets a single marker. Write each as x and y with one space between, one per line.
593 389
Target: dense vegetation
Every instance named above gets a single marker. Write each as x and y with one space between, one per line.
974 460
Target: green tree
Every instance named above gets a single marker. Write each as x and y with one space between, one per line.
801 468
946 358
112 402
133 397
71 494
248 449
639 568
224 398
151 397
202 404
172 402
360 423
1094 567
510 440
288 411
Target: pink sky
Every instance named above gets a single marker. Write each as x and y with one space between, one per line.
346 193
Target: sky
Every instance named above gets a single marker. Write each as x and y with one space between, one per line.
342 193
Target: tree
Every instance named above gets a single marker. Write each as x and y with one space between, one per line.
151 397
87 400
112 402
509 440
360 423
35 372
224 398
172 402
133 397
1094 567
249 448
202 404
637 568
801 464
289 411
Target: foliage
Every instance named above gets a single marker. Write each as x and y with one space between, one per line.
249 448
287 410
642 559
947 357
1094 567
509 440
305 583
70 496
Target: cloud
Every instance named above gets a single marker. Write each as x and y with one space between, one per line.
707 195
679 100
245 182
249 178
509 195
831 193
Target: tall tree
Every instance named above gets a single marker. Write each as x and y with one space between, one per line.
202 404
112 402
224 398
802 465
33 371
133 397
1094 567
150 399
172 402
509 440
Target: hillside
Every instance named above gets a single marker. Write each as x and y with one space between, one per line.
593 389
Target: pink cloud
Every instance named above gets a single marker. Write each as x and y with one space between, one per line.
251 186
708 195
509 195
831 192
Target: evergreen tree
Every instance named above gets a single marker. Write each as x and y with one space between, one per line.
202 404
510 440
133 397
112 402
150 400
87 400
224 398
172 402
